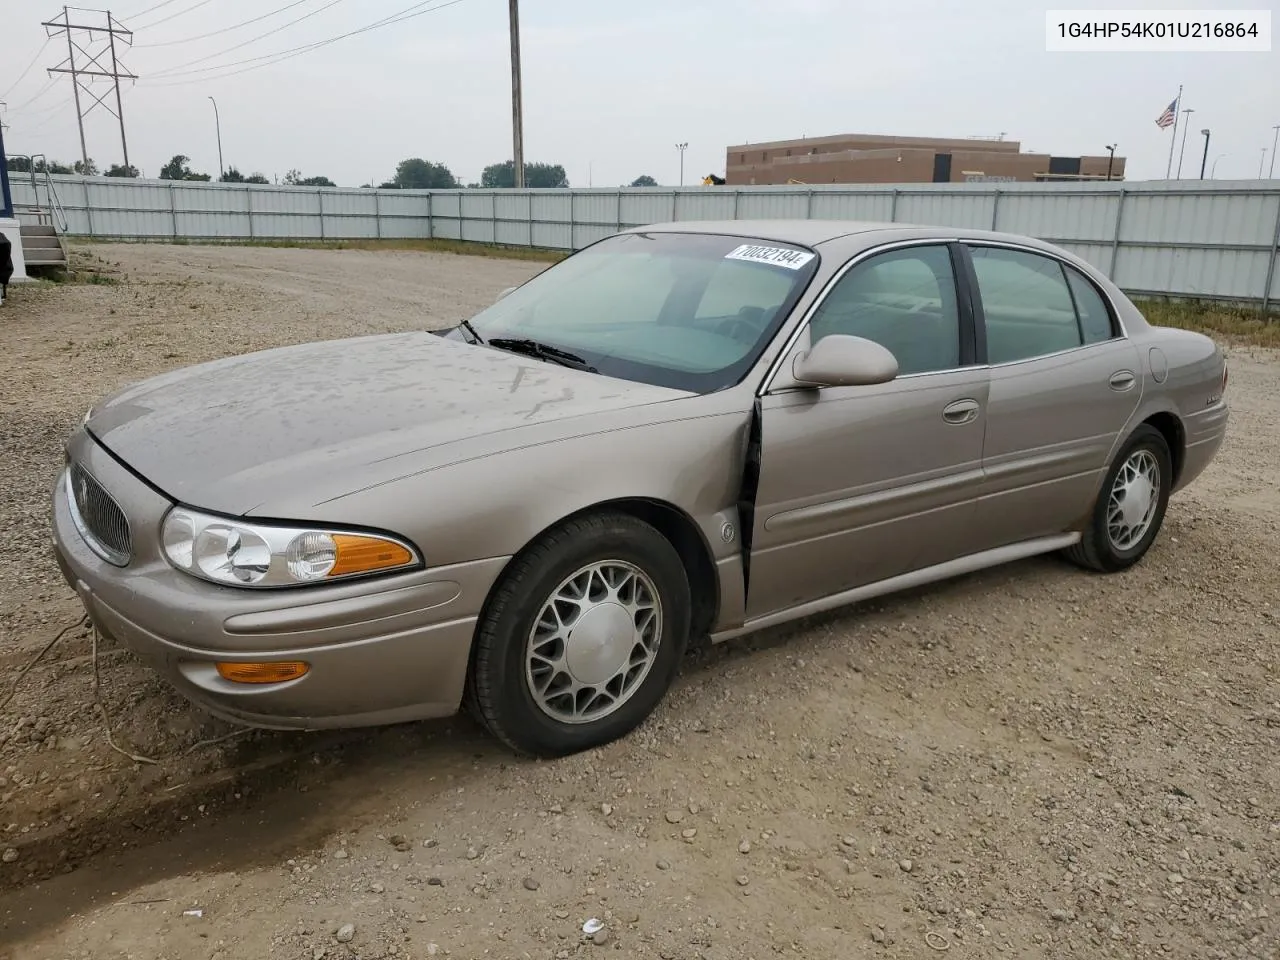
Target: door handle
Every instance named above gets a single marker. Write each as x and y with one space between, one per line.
1123 380
961 411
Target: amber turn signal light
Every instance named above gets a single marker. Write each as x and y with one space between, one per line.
277 671
358 554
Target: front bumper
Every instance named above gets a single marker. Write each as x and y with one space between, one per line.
383 650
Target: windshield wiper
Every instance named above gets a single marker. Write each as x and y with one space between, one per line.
542 351
475 337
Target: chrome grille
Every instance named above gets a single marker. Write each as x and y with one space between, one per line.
99 518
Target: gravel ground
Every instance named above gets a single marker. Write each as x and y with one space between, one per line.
1030 762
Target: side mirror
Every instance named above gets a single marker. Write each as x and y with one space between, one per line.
504 293
839 360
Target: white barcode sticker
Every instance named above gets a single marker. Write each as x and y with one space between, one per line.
778 256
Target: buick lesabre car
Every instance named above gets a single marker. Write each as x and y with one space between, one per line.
683 431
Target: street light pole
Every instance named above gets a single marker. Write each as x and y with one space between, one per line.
1261 161
1275 141
682 147
217 122
1205 159
517 112
1111 150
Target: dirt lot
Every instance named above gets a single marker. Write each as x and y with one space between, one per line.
1031 762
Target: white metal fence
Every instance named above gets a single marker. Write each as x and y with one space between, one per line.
1210 239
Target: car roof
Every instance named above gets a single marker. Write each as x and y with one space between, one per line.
811 233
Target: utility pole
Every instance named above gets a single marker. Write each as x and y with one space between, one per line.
83 62
682 147
517 114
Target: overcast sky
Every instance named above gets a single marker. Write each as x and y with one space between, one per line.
611 87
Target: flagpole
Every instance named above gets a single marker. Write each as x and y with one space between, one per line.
1177 106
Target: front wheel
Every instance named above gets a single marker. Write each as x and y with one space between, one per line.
582 637
1131 505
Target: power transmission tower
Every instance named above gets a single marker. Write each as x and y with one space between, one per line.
82 62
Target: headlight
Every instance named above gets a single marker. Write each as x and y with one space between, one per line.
265 555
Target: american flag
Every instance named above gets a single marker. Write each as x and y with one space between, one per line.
1170 112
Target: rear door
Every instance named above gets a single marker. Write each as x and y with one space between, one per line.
858 484
1064 383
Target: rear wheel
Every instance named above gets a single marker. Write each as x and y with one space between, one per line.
582 637
1131 505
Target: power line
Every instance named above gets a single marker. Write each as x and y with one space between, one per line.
26 69
234 26
156 23
143 13
49 85
176 71
281 55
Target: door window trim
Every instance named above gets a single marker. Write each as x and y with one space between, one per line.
972 333
1117 324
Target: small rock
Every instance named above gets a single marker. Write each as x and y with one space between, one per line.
345 933
399 842
319 953
606 809
377 887
744 846
689 833
675 816
434 882
906 866
433 949
340 854
430 843
9 855
877 935
849 841
664 864
743 880
1061 915
557 808
531 884
472 853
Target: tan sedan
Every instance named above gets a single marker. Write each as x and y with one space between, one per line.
684 430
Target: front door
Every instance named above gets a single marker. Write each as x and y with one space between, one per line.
1064 384
858 484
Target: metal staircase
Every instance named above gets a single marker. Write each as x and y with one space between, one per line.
42 220
42 247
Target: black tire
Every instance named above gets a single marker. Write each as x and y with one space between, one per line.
1096 551
498 692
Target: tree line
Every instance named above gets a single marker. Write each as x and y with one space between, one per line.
413 173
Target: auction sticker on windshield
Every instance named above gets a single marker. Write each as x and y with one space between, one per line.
778 256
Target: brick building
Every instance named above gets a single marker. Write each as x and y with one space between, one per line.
859 158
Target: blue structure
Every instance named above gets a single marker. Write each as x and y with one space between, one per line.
6 198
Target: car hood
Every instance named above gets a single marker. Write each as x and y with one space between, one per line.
324 419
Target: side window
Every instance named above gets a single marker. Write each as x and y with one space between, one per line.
1028 307
1095 319
904 300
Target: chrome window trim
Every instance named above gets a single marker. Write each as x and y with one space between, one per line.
1048 254
775 365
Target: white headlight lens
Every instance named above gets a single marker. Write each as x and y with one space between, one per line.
223 552
253 555
312 556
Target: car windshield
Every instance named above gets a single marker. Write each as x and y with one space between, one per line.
684 310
